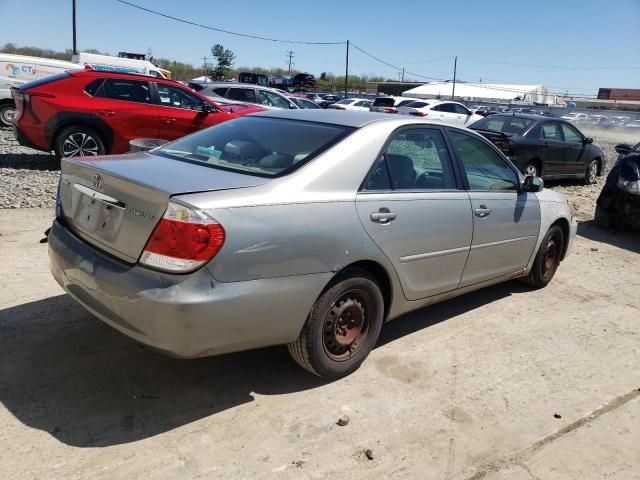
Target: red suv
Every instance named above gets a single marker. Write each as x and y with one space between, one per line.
87 112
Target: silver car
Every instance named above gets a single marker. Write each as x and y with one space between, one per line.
309 228
269 98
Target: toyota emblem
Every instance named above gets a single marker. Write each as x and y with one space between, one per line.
97 181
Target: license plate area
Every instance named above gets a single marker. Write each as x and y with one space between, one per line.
97 214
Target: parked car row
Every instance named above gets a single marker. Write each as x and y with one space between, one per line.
602 121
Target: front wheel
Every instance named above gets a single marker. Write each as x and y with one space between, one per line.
342 327
78 141
547 259
591 173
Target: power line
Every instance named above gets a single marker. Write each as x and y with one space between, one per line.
256 37
374 57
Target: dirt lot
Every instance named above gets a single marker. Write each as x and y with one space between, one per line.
501 383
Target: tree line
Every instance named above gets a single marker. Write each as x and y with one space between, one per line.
221 69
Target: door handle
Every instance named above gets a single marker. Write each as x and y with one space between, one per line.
384 216
107 113
168 121
482 211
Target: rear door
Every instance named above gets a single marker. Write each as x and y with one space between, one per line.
413 210
127 107
505 222
574 149
180 112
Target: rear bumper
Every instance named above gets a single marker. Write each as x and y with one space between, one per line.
185 316
25 141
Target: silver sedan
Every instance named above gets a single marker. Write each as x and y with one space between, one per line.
307 228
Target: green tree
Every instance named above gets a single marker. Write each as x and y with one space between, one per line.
225 58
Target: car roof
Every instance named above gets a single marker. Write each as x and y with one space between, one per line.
236 85
336 117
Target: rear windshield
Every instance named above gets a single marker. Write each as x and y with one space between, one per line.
404 103
44 81
262 146
504 124
383 102
416 104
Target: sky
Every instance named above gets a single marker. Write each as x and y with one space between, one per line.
569 45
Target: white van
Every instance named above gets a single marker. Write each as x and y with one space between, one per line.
118 64
19 69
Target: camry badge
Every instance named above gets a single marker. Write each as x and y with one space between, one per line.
97 181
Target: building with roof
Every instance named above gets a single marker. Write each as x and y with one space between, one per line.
486 92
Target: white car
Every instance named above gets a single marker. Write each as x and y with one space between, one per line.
390 104
357 104
575 117
451 113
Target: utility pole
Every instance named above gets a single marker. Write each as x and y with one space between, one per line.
455 66
75 45
206 71
346 74
290 55
402 74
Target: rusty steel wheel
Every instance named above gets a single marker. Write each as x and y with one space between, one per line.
346 325
342 327
551 257
547 259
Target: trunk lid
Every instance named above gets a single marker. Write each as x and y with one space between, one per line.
115 202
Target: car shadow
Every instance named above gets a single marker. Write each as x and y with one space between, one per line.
626 239
65 372
29 161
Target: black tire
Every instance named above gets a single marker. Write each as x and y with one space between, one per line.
602 219
89 141
531 168
547 259
591 173
7 110
352 306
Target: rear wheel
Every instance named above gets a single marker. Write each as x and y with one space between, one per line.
78 141
547 259
342 327
591 173
7 112
532 169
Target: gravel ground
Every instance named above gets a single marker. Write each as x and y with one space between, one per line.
29 178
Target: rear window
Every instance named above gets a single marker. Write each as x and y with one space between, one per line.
44 81
404 103
93 87
262 146
383 102
504 124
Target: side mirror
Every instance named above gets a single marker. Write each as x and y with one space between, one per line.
588 140
532 184
207 108
623 148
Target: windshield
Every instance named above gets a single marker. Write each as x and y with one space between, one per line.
504 124
383 102
261 146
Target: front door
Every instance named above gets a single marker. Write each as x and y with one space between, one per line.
505 222
553 148
413 210
574 141
181 112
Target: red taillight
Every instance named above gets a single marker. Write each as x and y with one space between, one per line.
390 110
183 240
418 114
